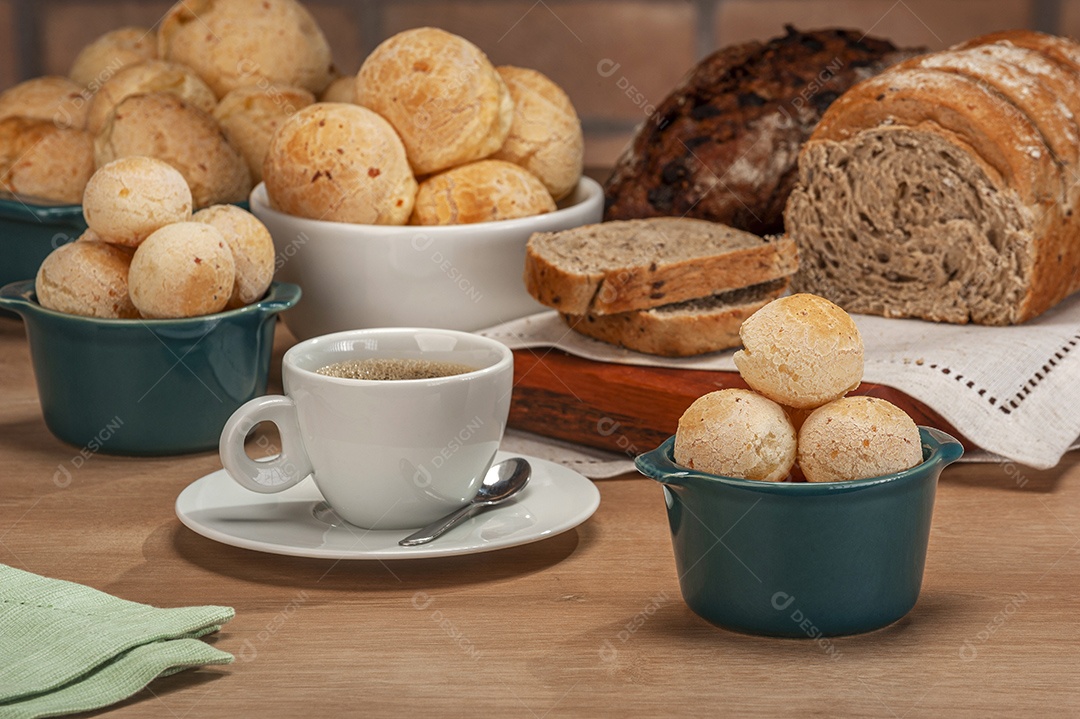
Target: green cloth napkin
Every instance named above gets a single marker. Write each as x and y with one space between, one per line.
67 648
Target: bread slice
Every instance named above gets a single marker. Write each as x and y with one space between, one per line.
616 267
683 329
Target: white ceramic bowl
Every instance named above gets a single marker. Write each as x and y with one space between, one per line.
458 277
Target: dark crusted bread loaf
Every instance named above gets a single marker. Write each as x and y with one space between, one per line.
723 145
946 187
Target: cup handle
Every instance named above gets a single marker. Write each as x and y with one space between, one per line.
271 475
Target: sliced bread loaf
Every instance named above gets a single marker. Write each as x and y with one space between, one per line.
683 329
945 188
631 265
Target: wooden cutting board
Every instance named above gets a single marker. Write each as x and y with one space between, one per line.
631 409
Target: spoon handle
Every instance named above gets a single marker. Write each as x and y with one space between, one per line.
440 526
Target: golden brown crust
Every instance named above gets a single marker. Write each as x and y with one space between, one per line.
52 98
185 269
143 78
111 52
164 126
246 42
545 137
249 116
87 278
342 163
39 159
1056 271
801 351
1009 146
441 94
252 250
130 198
483 191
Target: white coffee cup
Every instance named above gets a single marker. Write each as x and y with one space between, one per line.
386 454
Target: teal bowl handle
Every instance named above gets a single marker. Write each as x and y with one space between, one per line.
656 465
282 296
948 449
16 297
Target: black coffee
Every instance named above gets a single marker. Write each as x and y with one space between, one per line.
394 369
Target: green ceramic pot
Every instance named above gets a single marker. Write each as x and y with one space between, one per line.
801 559
29 232
147 387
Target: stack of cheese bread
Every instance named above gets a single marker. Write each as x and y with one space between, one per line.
802 355
146 255
946 188
667 286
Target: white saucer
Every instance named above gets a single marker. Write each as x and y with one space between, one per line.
556 499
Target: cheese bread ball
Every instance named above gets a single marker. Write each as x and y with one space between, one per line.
480 192
112 52
736 433
148 76
342 89
87 278
252 250
857 438
40 159
545 137
232 43
801 351
183 270
164 126
128 199
52 98
441 94
249 116
339 162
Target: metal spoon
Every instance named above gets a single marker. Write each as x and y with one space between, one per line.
501 482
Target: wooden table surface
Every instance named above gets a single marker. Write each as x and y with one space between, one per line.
588 623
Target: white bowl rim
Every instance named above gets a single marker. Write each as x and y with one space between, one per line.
593 193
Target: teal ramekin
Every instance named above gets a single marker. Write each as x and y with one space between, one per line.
29 232
801 559
147 387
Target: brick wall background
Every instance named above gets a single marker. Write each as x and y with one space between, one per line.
616 58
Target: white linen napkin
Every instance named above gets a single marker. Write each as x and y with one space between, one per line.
1013 391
